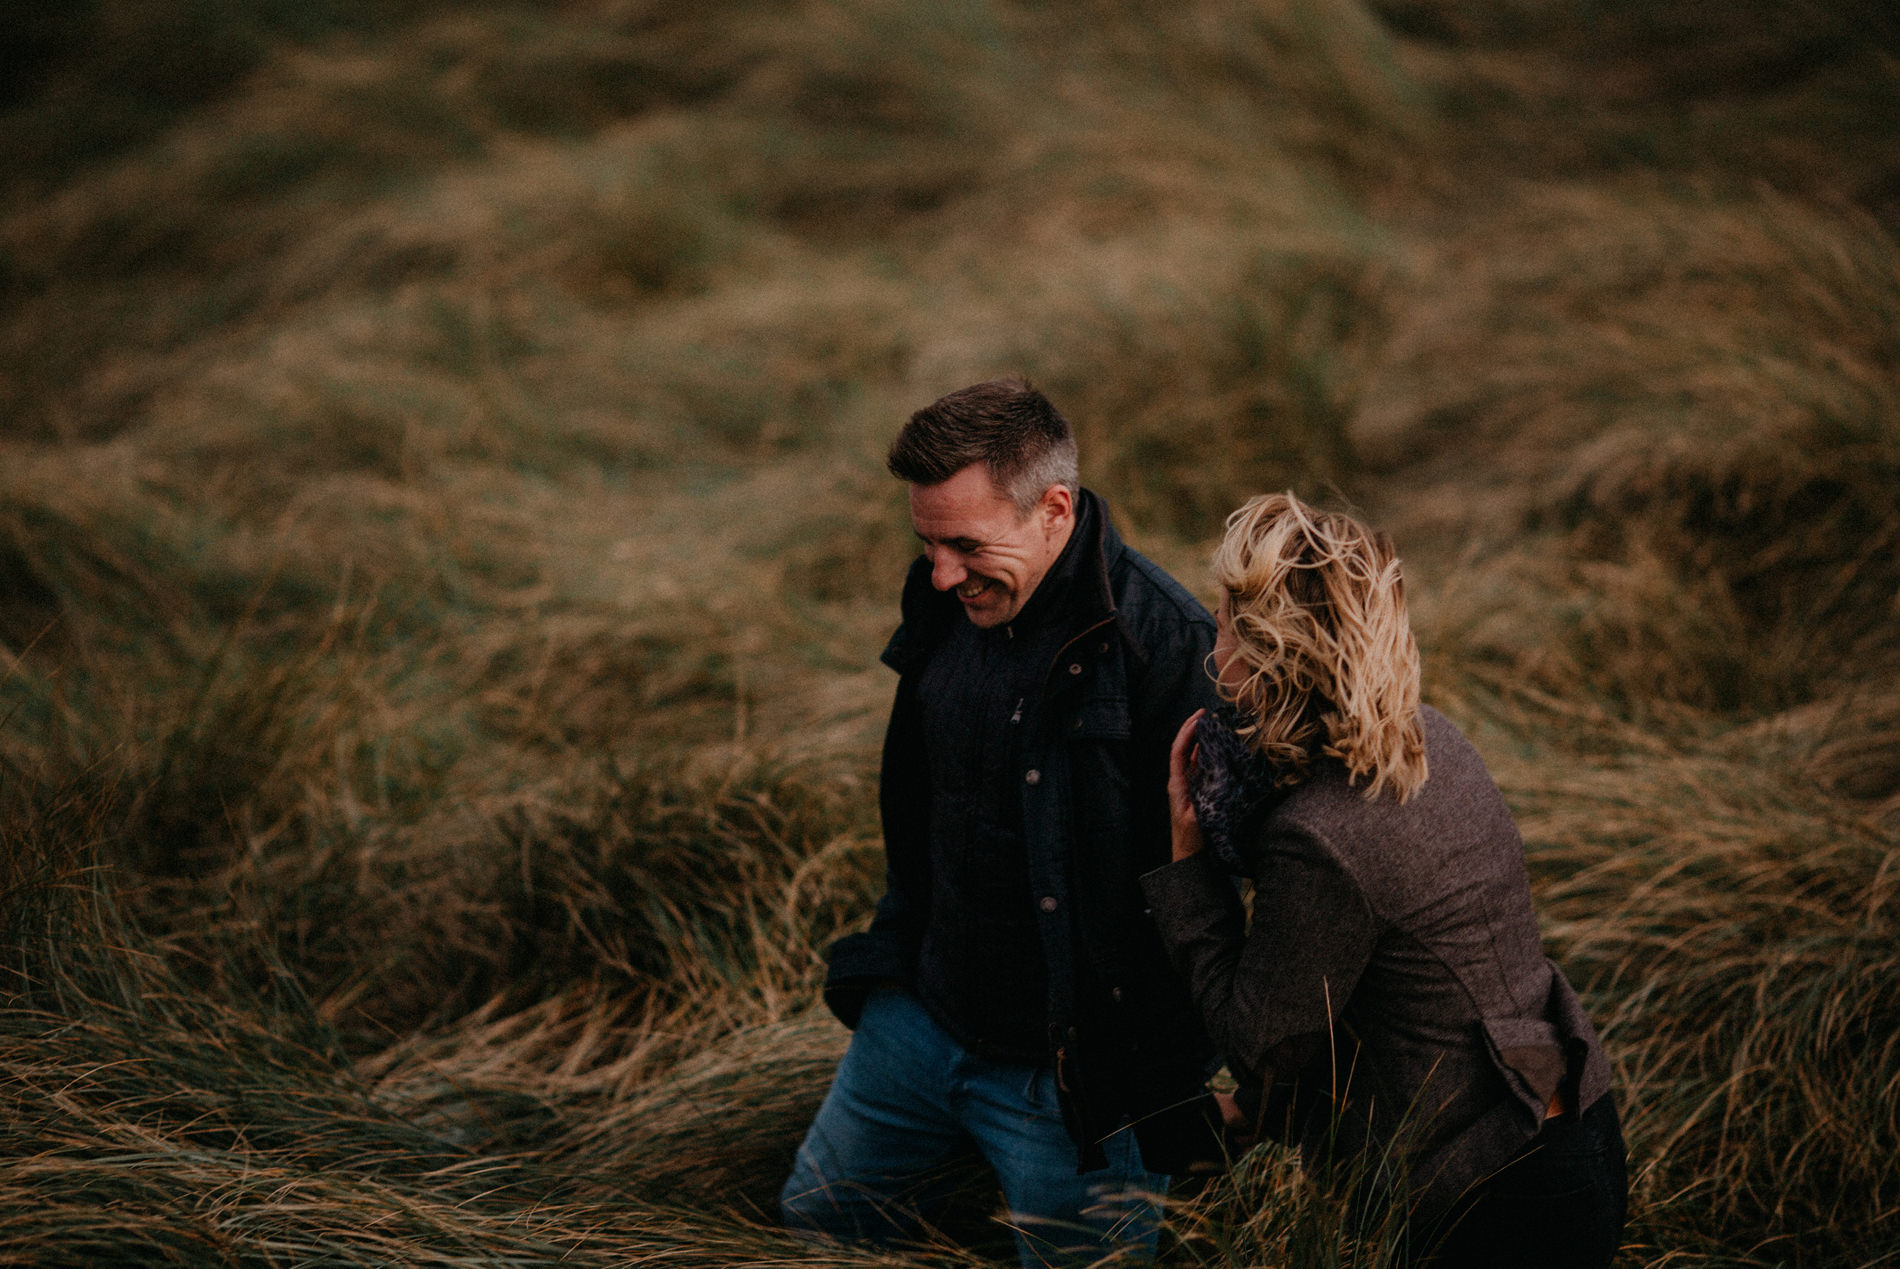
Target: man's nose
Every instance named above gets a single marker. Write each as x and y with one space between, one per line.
946 570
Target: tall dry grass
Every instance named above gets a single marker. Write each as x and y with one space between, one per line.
444 547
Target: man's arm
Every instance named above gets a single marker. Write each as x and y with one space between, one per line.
1173 686
886 954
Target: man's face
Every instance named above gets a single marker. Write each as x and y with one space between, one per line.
981 549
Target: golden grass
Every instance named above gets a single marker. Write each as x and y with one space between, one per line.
444 547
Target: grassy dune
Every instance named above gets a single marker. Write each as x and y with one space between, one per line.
444 548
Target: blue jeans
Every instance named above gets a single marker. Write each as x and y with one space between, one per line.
908 1099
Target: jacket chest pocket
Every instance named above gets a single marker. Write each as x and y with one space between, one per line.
1100 718
1098 772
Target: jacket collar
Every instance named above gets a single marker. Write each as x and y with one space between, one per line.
929 614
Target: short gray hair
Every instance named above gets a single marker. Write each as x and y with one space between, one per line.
1005 424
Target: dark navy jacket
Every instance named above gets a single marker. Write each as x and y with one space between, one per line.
1124 1036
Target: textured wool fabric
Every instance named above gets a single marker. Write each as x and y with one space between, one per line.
1390 987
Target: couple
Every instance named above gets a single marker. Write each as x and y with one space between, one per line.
1079 764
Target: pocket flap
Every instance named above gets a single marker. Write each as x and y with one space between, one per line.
1528 1054
1101 718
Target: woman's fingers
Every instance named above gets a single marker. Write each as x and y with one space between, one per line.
1185 826
1181 753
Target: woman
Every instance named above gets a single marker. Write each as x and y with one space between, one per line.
1390 1000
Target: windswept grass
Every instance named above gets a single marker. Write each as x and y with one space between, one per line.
444 549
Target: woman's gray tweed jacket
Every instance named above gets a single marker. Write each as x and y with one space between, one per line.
1391 994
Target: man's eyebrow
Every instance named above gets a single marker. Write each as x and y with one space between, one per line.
964 544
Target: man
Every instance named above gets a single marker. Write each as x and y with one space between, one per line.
1011 993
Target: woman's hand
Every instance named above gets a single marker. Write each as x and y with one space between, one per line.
1241 1135
1183 824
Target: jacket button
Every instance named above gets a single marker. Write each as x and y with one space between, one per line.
1032 776
1075 668
1048 903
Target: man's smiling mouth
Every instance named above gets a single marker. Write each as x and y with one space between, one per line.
973 588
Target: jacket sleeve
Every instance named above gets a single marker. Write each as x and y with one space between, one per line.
1271 991
886 953
1171 685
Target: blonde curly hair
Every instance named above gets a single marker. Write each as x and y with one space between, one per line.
1326 661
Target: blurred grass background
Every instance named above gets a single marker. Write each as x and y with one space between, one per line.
444 548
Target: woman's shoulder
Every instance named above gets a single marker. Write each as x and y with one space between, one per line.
1458 809
1452 759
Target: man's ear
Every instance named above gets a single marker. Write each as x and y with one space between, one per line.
1057 507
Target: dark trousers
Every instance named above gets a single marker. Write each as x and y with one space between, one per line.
1559 1204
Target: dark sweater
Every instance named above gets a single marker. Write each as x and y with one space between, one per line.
980 968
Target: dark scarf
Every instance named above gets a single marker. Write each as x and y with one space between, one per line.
1232 788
